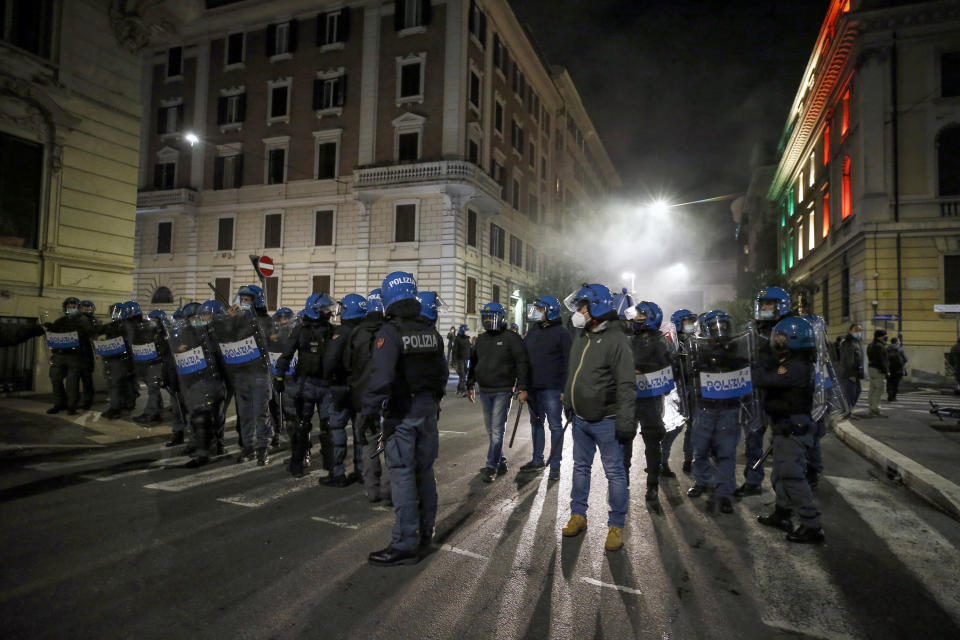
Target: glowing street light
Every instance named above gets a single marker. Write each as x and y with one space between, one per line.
659 207
191 138
632 277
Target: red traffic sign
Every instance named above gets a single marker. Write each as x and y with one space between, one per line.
265 266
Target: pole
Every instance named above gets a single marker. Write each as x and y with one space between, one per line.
516 423
894 89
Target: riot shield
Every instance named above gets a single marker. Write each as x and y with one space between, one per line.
142 337
242 345
723 372
654 378
827 394
280 339
682 374
63 335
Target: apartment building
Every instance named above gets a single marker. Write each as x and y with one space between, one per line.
347 140
867 190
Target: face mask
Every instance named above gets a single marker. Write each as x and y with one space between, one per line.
579 320
689 328
196 323
245 306
765 314
487 325
856 335
71 312
536 316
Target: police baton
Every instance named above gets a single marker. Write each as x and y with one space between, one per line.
280 397
516 423
759 463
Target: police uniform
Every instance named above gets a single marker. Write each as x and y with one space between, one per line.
755 431
341 405
376 477
649 355
789 401
112 349
65 338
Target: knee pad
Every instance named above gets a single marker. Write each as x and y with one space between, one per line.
202 419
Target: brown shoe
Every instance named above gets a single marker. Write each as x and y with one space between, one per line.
576 526
614 539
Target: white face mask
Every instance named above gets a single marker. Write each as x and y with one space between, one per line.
689 328
579 320
246 306
536 316
765 314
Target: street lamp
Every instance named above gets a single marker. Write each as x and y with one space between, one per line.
191 138
659 207
632 278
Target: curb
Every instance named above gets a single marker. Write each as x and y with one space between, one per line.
930 486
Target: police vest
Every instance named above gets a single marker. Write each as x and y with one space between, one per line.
311 346
421 345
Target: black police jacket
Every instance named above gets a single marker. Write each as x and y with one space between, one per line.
310 341
788 382
334 357
407 360
360 352
68 324
650 352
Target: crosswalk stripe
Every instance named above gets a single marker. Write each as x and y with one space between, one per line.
274 491
336 523
205 477
607 585
117 476
930 557
98 458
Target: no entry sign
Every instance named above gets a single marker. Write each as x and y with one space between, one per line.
265 266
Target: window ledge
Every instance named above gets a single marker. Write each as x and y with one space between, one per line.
232 126
333 46
500 73
475 109
278 119
411 31
476 41
236 66
498 134
410 100
177 78
281 57
333 111
169 136
518 154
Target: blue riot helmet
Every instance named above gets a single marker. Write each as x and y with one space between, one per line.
683 318
319 305
132 309
255 294
462 330
70 306
116 311
191 309
178 314
716 324
87 307
210 309
493 317
649 316
430 305
551 307
283 312
623 303
353 307
772 303
397 287
794 333
374 302
598 299
158 316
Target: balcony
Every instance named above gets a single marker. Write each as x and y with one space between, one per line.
424 173
949 208
166 198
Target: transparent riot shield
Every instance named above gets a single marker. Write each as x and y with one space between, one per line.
723 372
682 374
281 337
242 344
827 394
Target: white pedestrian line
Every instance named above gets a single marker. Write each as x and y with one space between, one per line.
98 458
927 555
342 525
205 477
382 508
273 491
607 585
462 552
44 445
117 476
452 433
232 418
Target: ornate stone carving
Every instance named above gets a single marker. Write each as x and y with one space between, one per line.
132 25
24 114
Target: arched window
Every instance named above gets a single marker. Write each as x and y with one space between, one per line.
162 296
948 161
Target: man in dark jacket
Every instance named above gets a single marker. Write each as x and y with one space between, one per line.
898 367
878 368
498 363
548 347
850 356
66 337
460 356
599 394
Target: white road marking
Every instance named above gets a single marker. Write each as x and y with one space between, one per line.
43 445
607 585
462 552
452 433
381 508
117 476
928 555
342 525
232 418
205 477
273 491
98 458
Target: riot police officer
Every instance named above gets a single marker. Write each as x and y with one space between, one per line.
685 323
353 308
771 305
788 380
407 381
65 337
310 341
143 336
110 345
87 311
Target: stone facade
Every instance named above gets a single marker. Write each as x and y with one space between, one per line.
460 182
867 211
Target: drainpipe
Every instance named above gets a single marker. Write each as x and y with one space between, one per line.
896 179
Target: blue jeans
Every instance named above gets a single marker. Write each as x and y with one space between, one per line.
587 438
545 404
495 408
716 433
410 452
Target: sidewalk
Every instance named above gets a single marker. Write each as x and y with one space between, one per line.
907 446
26 429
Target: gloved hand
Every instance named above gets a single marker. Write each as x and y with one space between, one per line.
278 384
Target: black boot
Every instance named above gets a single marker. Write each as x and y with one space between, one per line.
391 557
726 506
246 455
687 466
666 471
263 457
696 490
296 454
747 489
196 463
54 409
780 518
652 496
335 481
806 534
175 440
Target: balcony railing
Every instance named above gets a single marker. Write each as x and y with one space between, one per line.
169 197
441 171
949 208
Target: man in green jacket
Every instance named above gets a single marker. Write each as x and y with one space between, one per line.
599 394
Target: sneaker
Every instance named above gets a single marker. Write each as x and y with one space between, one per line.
779 518
554 473
488 474
532 466
687 466
263 457
696 490
614 539
666 472
576 526
806 535
502 469
175 440
747 489
726 506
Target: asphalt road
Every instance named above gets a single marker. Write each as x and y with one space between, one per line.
119 542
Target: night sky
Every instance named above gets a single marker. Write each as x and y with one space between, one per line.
680 91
